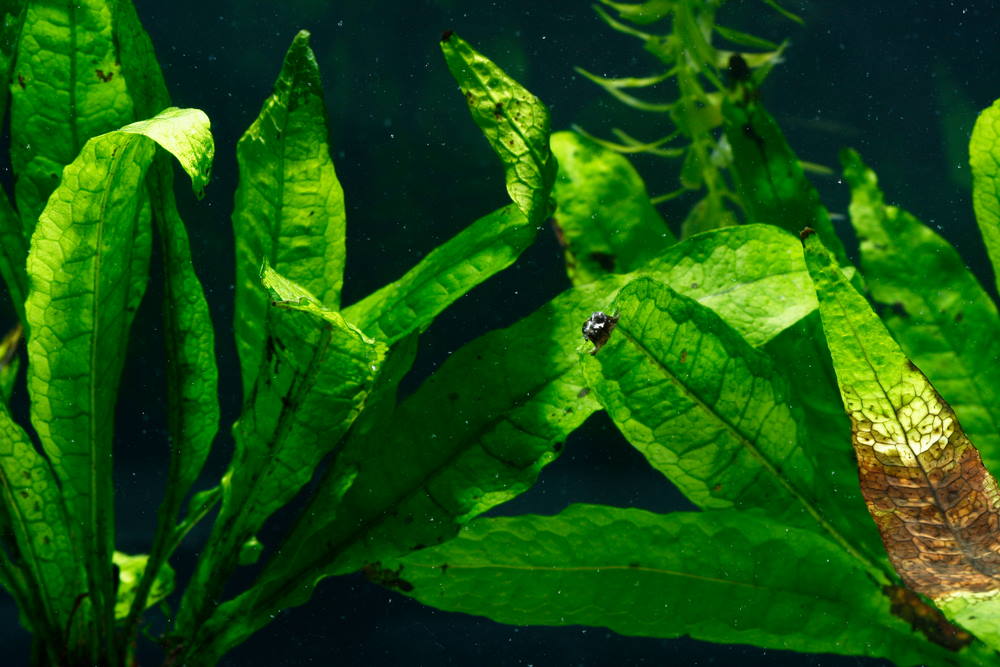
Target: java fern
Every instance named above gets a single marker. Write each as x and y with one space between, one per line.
696 372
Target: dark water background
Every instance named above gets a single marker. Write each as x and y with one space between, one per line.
901 84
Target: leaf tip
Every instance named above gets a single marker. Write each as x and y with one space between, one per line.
806 233
446 35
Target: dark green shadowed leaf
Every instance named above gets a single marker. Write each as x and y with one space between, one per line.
83 294
67 88
289 208
944 321
769 177
192 376
724 576
706 409
316 375
514 121
13 245
603 215
39 525
411 303
984 157
474 435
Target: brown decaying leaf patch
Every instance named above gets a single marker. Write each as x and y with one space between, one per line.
936 506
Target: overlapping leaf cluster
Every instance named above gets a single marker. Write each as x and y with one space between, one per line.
732 357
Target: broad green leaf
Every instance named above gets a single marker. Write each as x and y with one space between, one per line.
603 215
83 295
130 569
474 435
515 123
39 524
984 157
289 208
314 380
947 323
411 303
67 88
769 177
753 276
707 410
722 576
932 499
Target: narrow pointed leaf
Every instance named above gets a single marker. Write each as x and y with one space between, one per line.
515 123
947 325
315 378
934 503
289 207
83 295
984 157
13 245
67 88
769 177
706 409
604 218
722 576
411 303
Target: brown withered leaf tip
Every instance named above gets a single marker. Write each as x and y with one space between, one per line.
934 503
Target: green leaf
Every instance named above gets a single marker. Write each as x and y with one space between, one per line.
13 245
130 570
39 524
515 122
604 218
474 435
769 177
707 410
642 13
947 325
411 303
289 208
753 276
10 362
723 576
67 88
316 375
83 294
984 157
932 499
